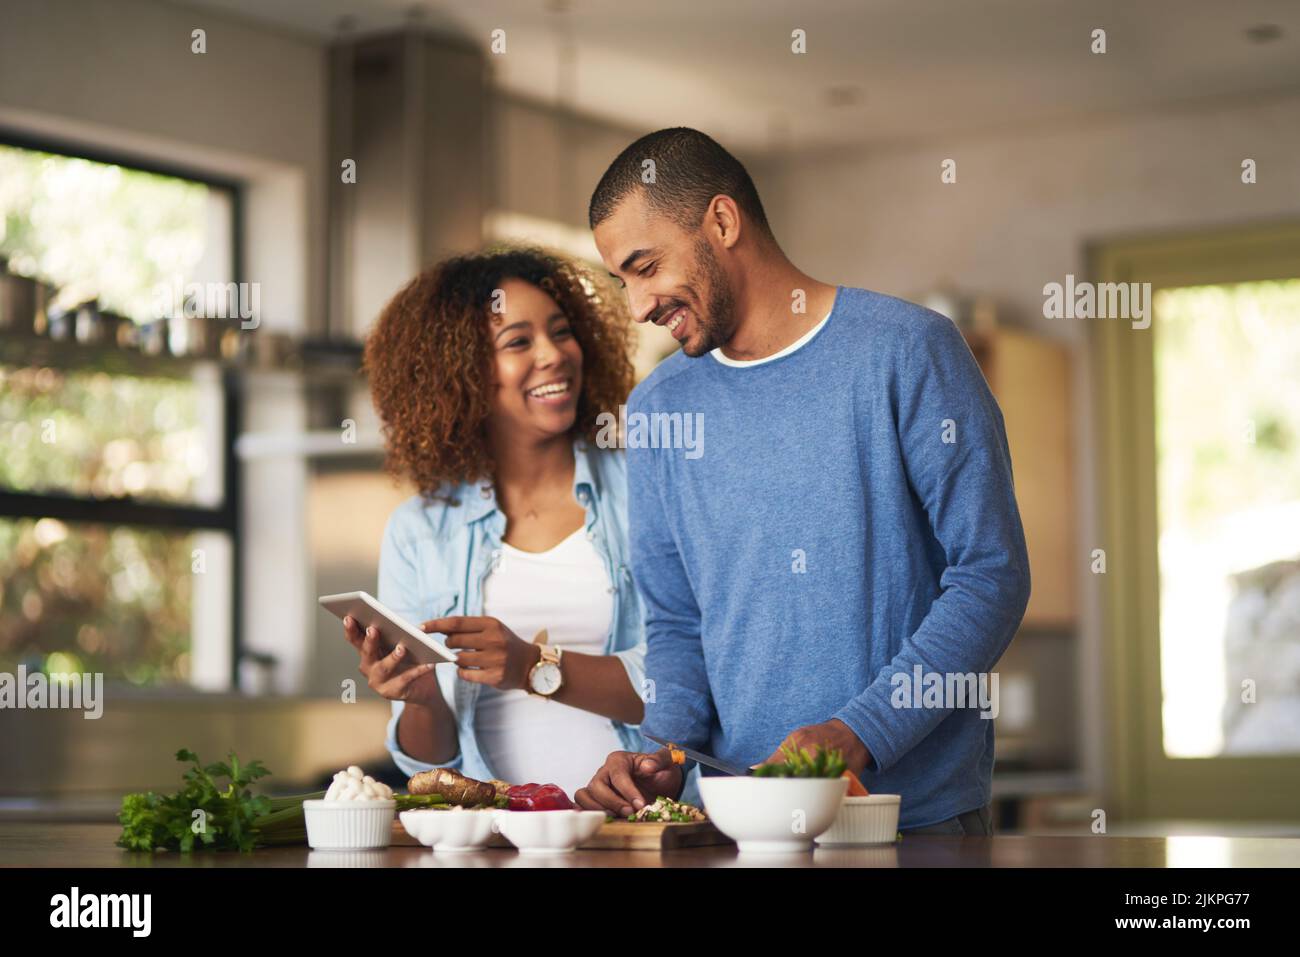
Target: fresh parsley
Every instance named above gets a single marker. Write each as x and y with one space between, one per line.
205 813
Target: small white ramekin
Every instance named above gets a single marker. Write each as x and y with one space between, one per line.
548 832
349 825
865 820
449 830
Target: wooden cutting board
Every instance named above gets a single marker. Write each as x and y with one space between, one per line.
654 836
619 836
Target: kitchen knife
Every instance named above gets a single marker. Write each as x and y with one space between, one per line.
703 759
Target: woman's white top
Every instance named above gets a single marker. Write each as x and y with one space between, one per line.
566 590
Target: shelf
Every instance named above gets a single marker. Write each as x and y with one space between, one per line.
70 356
1036 783
317 444
318 360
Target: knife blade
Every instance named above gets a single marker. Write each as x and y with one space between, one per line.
704 759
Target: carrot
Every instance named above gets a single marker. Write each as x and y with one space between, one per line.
678 757
856 787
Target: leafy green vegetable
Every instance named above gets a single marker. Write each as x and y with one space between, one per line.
798 763
205 815
202 813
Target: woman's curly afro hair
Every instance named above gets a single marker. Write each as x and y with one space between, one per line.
429 360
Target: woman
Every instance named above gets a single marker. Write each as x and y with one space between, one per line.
488 372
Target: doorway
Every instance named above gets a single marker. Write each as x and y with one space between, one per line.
1199 502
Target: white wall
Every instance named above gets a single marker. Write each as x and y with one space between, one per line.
1027 201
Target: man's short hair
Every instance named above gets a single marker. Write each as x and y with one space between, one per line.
689 169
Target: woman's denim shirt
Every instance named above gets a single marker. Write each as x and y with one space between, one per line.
434 559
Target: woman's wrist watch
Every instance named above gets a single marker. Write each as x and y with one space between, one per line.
546 677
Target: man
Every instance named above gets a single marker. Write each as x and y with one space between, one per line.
850 524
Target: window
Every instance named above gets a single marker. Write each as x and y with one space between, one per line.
1227 379
117 493
108 232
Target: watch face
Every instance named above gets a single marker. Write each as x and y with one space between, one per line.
546 678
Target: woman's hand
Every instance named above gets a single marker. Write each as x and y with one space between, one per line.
492 654
392 675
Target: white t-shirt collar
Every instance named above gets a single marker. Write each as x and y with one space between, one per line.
792 347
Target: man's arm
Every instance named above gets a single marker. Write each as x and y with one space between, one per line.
679 704
965 488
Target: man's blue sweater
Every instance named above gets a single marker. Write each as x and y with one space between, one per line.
847 526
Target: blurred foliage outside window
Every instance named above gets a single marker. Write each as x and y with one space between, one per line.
96 435
95 230
1228 367
95 597
1227 372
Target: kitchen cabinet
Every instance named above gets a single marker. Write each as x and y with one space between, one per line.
1030 377
1037 731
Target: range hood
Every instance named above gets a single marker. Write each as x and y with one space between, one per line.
410 109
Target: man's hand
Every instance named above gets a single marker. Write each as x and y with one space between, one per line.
829 734
628 781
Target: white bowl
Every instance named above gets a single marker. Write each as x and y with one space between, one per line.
548 832
772 815
349 825
449 831
872 819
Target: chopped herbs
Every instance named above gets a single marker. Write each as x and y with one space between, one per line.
667 811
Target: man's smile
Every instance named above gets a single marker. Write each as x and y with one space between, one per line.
674 320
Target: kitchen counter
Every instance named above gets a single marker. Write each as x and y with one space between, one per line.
33 844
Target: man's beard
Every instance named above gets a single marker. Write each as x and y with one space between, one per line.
718 323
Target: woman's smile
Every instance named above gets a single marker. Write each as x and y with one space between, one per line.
555 392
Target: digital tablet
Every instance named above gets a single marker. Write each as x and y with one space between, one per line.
394 630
